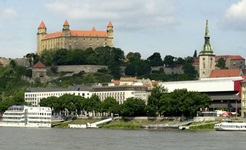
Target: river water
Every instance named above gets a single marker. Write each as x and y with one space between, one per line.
108 139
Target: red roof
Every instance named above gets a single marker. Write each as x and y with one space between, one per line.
226 73
237 57
42 25
128 79
116 82
1 63
88 33
93 29
39 65
53 35
196 60
66 23
221 56
79 33
110 24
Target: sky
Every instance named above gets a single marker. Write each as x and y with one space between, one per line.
169 27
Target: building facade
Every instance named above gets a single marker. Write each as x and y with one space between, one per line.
225 93
73 39
120 93
243 98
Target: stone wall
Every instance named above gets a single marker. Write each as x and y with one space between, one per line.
20 61
78 68
178 70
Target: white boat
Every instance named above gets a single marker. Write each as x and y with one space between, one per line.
25 116
228 125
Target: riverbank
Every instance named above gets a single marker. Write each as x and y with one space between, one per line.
141 124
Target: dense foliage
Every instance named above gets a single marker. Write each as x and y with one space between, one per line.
115 59
177 103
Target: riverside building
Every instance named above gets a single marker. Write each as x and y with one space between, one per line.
120 93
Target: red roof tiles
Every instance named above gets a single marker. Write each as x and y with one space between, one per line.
1 63
39 65
53 35
66 23
110 24
128 79
88 33
237 57
42 25
226 73
93 29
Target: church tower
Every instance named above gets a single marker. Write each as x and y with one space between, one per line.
110 31
206 56
42 31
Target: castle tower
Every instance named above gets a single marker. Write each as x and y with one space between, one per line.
42 31
66 30
110 32
206 56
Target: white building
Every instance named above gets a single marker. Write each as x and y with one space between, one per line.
34 95
120 93
225 93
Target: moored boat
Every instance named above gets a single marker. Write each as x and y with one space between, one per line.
228 125
25 116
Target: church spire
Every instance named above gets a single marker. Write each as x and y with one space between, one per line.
206 30
207 48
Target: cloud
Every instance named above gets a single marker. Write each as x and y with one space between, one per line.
235 16
128 14
8 13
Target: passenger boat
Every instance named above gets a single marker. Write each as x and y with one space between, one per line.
25 116
228 125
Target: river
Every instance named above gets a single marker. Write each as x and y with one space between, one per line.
108 139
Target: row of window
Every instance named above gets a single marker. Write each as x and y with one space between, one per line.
52 94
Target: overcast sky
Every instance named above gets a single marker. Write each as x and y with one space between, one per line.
170 27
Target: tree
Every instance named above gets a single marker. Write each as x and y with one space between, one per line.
108 104
138 68
92 104
12 63
114 69
133 56
46 57
190 71
30 57
180 61
60 56
154 99
155 59
133 107
169 61
188 103
195 54
221 63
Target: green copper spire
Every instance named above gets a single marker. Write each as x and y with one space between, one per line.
206 30
207 48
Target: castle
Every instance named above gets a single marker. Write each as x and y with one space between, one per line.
73 39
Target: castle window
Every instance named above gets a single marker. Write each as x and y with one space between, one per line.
203 58
203 65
